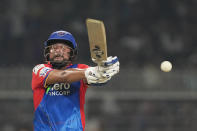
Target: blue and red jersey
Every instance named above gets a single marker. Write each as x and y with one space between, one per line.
59 106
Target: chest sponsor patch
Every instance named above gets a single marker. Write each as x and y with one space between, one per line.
59 89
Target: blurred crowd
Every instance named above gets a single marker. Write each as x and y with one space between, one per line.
135 115
140 32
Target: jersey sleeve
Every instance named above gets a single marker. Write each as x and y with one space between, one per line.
83 66
39 75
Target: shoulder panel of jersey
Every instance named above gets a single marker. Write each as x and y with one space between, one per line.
39 75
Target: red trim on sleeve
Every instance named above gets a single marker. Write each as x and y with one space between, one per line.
38 91
38 85
83 89
82 66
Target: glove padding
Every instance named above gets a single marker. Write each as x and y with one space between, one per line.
94 76
100 75
110 61
110 67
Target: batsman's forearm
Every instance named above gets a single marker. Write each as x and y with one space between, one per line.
73 76
66 76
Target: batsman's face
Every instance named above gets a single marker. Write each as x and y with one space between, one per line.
59 52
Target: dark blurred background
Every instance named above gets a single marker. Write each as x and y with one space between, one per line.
142 33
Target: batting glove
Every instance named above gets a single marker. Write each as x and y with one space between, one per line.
96 77
110 67
110 61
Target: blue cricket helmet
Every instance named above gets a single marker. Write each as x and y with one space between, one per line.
63 37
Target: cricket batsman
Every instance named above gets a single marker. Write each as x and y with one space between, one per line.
59 86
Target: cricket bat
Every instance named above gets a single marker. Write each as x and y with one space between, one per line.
97 40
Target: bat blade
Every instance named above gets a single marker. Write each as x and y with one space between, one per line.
97 40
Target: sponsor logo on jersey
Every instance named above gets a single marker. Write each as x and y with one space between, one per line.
59 89
44 71
37 68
